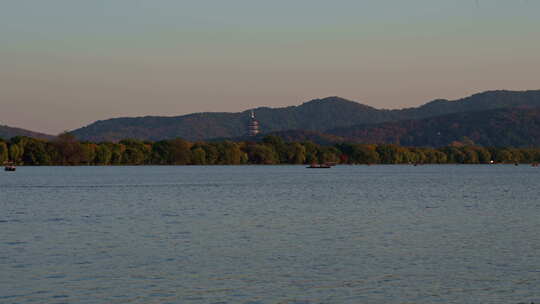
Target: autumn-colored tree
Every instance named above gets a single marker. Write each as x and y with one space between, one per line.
180 152
69 149
198 156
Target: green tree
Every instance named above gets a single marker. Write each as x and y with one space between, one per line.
103 155
312 151
420 156
278 145
229 153
117 150
15 153
454 155
484 156
212 153
504 156
328 155
161 151
470 155
4 152
390 154
296 154
435 157
517 155
35 152
262 154
88 153
136 152
364 154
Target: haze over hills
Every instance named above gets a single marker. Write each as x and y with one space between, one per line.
316 116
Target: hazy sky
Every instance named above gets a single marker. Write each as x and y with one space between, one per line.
67 63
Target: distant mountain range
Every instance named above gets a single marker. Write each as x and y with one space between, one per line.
326 120
9 132
516 127
494 118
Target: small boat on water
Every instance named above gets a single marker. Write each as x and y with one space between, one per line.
9 167
319 166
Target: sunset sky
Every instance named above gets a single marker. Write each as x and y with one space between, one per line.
67 63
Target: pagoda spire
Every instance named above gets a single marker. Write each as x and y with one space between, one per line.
253 125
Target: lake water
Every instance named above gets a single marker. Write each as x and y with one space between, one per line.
270 234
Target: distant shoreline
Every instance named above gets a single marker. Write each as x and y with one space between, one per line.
295 165
271 150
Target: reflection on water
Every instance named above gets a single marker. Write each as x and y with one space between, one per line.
265 234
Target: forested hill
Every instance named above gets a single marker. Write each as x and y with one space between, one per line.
317 115
510 127
9 132
478 102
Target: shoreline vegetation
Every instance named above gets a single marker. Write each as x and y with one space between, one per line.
65 150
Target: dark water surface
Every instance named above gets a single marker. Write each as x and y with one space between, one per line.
265 234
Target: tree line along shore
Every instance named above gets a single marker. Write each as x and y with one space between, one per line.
66 150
